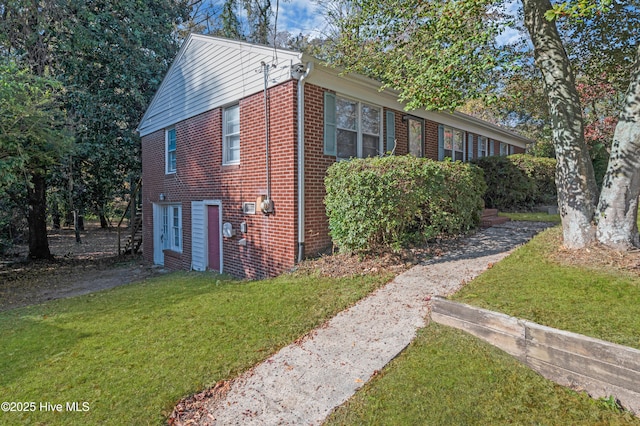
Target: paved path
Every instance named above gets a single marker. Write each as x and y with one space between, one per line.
302 383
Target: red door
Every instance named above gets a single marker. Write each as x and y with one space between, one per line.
213 239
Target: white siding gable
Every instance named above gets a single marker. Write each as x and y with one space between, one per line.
211 72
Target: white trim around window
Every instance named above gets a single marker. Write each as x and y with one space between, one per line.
231 135
171 227
356 126
170 150
454 143
483 146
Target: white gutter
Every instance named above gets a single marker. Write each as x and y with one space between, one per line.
301 80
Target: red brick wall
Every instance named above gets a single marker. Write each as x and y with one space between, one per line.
316 225
402 133
431 139
271 240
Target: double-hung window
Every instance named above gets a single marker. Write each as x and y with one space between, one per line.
504 148
170 150
454 143
483 146
353 129
231 135
172 227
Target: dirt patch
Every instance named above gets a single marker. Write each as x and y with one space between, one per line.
596 257
345 265
78 268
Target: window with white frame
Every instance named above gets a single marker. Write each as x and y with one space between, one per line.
483 146
453 143
170 150
358 129
172 227
504 148
231 135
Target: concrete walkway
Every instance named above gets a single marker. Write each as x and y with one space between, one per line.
301 384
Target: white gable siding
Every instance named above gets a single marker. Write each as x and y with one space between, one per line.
210 72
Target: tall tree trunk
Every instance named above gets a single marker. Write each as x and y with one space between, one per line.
618 207
577 190
37 218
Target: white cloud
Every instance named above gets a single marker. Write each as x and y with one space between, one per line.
510 36
300 16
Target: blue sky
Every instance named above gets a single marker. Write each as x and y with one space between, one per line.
300 16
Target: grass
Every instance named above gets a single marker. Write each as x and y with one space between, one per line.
446 377
532 216
132 352
598 303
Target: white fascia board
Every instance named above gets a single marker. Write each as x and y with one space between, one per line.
368 90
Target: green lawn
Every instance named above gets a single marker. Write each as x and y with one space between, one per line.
533 216
446 377
598 303
132 352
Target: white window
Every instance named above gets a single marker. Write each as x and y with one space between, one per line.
171 236
454 143
483 146
170 150
358 129
504 148
231 135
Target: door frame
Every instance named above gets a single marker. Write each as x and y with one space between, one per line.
158 253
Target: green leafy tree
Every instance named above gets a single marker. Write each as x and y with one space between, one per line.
121 52
435 54
110 58
32 141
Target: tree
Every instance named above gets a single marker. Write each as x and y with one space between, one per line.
426 51
32 139
121 52
26 35
575 180
618 206
110 58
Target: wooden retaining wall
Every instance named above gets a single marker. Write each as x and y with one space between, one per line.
600 368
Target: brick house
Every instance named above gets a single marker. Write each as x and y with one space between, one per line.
237 141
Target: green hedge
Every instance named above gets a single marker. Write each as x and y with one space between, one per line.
518 181
385 202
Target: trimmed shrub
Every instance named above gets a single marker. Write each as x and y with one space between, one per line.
386 202
518 181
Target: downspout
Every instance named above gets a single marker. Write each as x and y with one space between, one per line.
301 80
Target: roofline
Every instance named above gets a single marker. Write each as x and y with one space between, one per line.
375 84
353 77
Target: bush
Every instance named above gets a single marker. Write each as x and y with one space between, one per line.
386 202
518 181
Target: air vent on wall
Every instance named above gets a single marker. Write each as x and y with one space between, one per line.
249 208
